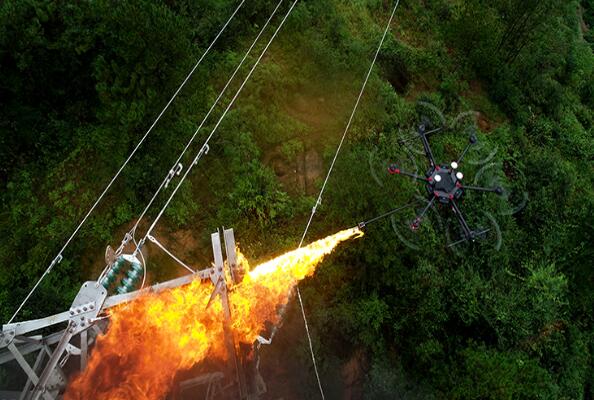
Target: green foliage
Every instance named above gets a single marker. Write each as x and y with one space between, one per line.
291 148
490 374
520 309
258 196
80 83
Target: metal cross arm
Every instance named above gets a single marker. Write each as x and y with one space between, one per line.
16 329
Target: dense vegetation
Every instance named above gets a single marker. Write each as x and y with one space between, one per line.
81 82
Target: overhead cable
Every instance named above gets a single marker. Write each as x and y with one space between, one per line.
319 199
59 256
204 148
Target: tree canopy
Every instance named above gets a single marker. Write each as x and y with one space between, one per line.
80 83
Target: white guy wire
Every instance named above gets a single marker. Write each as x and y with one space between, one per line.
170 254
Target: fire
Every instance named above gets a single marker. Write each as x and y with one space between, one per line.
152 338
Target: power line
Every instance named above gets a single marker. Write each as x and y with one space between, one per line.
174 169
319 199
205 147
177 166
59 257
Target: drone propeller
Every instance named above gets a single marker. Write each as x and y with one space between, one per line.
472 140
475 234
415 135
498 190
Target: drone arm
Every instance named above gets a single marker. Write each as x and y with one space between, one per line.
498 190
429 204
464 153
463 223
471 141
433 131
427 147
457 242
393 169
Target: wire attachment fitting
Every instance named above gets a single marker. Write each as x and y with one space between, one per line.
314 209
172 173
204 150
139 247
55 261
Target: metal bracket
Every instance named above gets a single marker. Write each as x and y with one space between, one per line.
217 272
234 267
110 255
204 150
82 314
7 336
172 173
86 306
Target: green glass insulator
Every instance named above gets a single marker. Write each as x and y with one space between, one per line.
110 277
118 264
126 286
134 274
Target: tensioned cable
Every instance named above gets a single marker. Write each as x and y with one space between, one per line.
319 199
170 254
387 214
204 148
59 257
173 171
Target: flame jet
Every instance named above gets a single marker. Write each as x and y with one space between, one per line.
152 338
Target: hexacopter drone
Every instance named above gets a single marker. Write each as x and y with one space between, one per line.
443 184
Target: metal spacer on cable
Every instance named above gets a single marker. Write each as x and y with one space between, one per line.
203 150
173 172
318 203
55 261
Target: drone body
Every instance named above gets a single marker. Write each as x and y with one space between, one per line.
443 183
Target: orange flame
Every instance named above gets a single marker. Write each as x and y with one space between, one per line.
155 336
